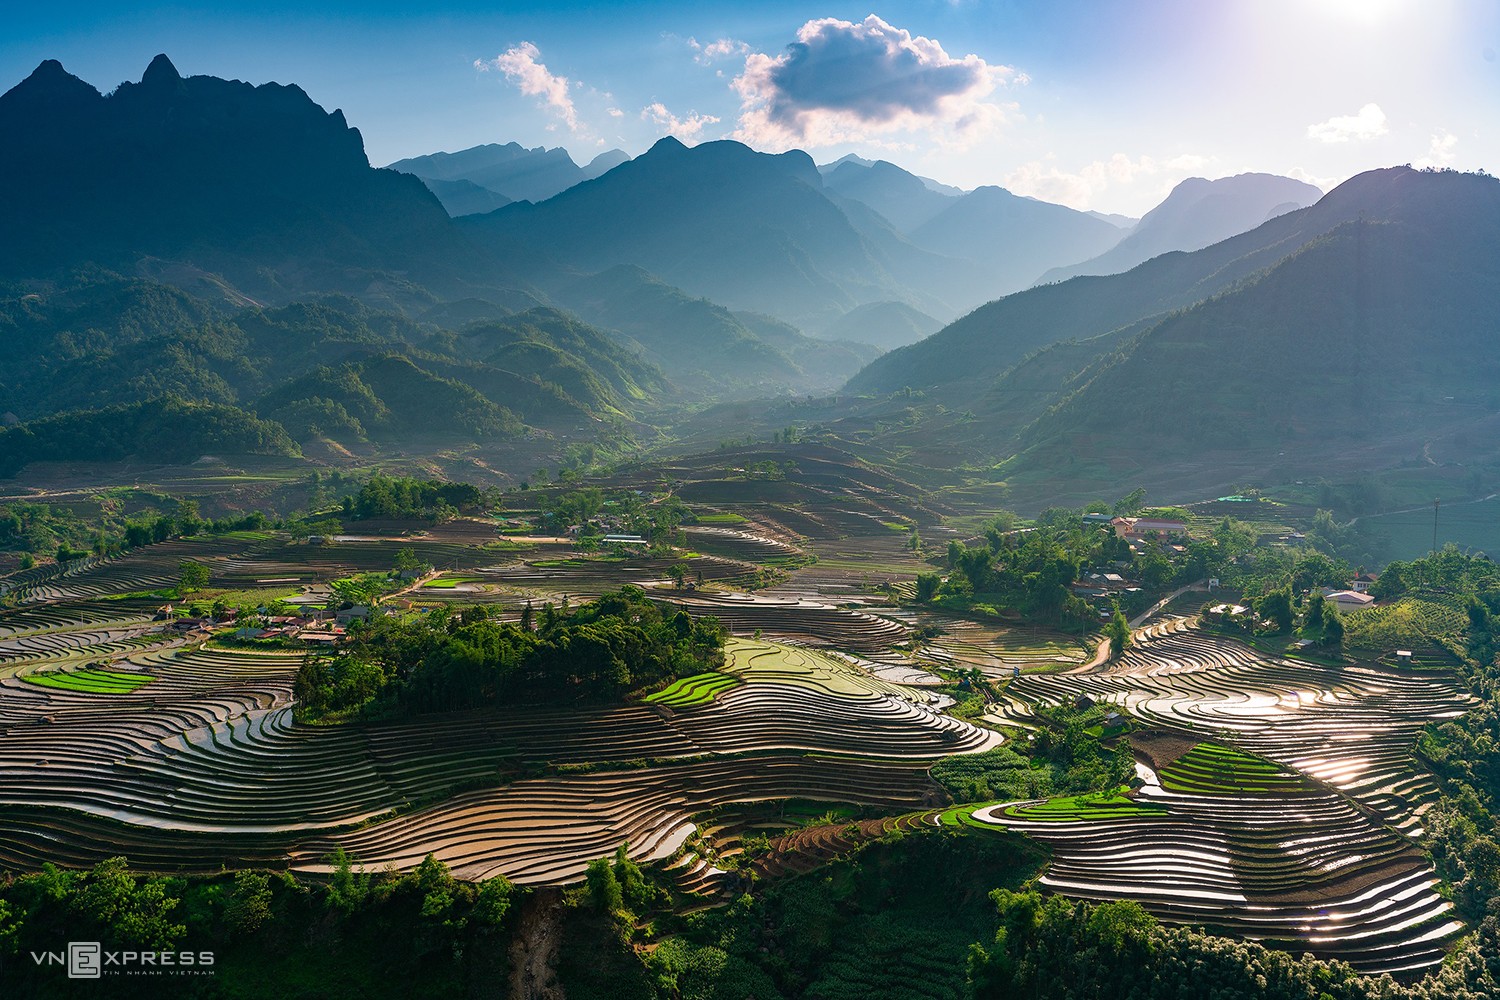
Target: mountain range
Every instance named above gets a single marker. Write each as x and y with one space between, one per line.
1195 214
209 181
1354 334
464 181
202 248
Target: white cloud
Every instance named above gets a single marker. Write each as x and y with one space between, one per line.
1079 188
846 82
682 128
1367 124
720 48
522 67
1440 151
615 112
1326 184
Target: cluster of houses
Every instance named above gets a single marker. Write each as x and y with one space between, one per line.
1167 533
314 625
1355 597
1095 584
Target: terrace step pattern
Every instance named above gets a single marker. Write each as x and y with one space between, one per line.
545 831
796 620
209 754
1352 727
1286 862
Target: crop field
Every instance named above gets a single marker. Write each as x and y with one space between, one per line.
1409 622
1284 807
1258 838
91 681
1222 838
700 689
118 735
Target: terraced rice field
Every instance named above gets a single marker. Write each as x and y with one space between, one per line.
700 689
1223 839
90 681
1285 809
190 758
1351 726
1299 833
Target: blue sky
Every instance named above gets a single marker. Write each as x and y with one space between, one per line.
1098 105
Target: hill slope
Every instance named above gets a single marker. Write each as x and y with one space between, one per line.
703 347
964 358
1196 214
1359 350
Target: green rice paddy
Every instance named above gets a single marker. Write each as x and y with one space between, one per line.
700 689
1091 807
449 582
1211 769
90 681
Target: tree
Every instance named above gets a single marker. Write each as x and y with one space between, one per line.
250 904
1315 612
1118 634
407 561
1333 628
678 574
604 887
435 883
191 576
927 586
493 901
1132 502
133 913
1277 606
188 521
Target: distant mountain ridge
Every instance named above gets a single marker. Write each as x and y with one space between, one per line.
980 346
748 230
1194 215
511 170
1370 345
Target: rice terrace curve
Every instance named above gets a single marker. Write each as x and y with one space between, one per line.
1275 800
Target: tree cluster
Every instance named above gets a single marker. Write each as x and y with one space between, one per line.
456 659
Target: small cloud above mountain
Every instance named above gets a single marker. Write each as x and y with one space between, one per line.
842 81
523 67
1368 123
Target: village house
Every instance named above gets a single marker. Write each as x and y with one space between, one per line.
1349 600
1136 529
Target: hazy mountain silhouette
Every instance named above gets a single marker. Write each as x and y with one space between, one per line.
465 197
976 349
748 230
511 170
1012 239
903 198
703 347
886 325
1196 214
